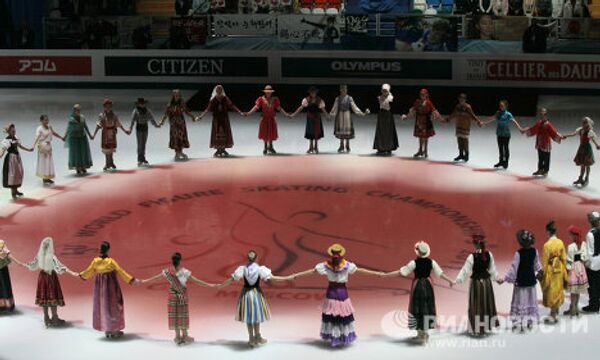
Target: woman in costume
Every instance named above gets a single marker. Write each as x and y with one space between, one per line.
220 135
109 123
252 306
577 256
7 300
315 107
49 293
342 110
503 120
76 139
179 317
585 154
386 137
108 299
545 133
554 267
268 105
337 318
481 268
463 116
424 112
12 171
178 136
43 140
523 274
421 308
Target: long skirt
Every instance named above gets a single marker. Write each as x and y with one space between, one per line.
80 155
386 137
108 303
337 317
220 134
179 315
524 305
267 130
178 136
344 127
12 171
423 127
314 127
252 306
7 301
553 288
482 306
585 155
45 162
578 281
48 291
421 308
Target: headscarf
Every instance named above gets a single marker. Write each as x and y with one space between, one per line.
214 92
45 256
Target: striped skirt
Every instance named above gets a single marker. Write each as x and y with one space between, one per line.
482 306
337 318
179 315
252 306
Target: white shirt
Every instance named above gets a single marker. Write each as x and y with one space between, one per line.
573 250
384 103
411 266
467 269
340 276
593 261
252 273
182 274
305 103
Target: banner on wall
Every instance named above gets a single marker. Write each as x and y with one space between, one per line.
165 66
195 27
426 33
575 28
531 70
255 25
324 29
46 65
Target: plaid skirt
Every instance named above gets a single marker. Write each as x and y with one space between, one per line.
179 316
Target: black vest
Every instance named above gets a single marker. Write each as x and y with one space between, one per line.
481 264
249 287
423 268
596 233
526 272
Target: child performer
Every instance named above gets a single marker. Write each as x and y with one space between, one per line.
12 171
337 318
315 106
463 115
108 299
424 112
252 306
178 136
43 140
585 154
109 122
576 259
49 293
422 299
554 267
544 132
7 300
76 139
268 105
141 116
343 107
523 274
592 266
220 134
386 137
480 267
503 118
179 316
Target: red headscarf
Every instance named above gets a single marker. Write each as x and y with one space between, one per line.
577 232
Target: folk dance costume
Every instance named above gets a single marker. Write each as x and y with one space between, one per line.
178 135
7 301
141 116
268 126
386 137
12 170
554 262
342 110
221 137
545 133
252 306
45 162
76 139
593 264
463 115
423 111
314 125
49 292
109 123
585 152
177 303
576 259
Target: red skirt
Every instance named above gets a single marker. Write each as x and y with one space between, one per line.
268 129
48 291
179 316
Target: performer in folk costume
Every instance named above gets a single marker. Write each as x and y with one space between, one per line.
268 105
337 318
424 112
12 171
577 256
178 136
463 115
109 122
593 265
554 268
220 135
421 309
545 133
503 120
252 306
315 107
43 141
109 307
140 117
76 139
179 317
386 137
7 300
49 294
523 274
480 267
585 154
342 110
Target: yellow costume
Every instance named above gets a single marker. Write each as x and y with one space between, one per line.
554 266
105 265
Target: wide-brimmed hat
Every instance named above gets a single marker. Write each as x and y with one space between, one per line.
422 249
107 101
337 249
268 89
141 101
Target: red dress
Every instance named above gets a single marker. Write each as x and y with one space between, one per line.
268 125
423 124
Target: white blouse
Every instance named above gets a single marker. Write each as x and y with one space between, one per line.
411 266
340 276
384 103
467 269
252 273
7 143
305 103
44 135
56 266
182 274
572 250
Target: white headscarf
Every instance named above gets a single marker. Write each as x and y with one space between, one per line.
589 121
45 259
214 92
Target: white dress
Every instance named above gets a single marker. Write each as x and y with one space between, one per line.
45 163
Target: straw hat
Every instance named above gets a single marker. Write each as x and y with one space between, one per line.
336 248
422 249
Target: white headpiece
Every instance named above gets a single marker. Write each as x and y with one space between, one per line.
589 121
45 255
386 87
214 92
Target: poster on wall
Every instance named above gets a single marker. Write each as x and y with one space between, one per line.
510 28
194 27
574 28
315 29
530 70
426 33
255 25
